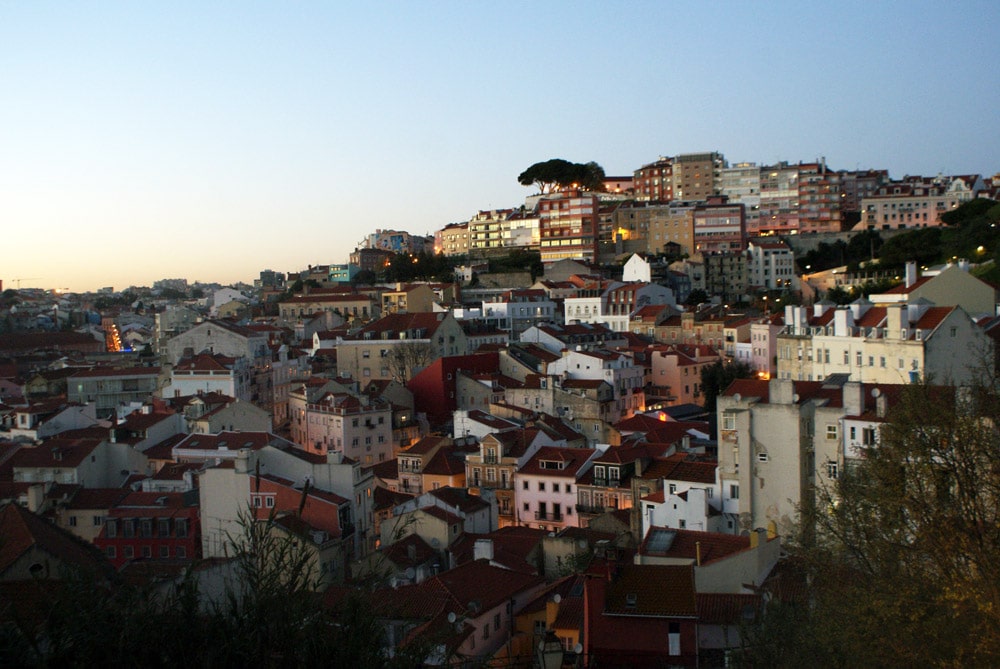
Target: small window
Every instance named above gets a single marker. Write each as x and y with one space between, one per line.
832 470
728 421
734 491
831 431
762 457
269 502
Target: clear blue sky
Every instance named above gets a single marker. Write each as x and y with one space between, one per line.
209 141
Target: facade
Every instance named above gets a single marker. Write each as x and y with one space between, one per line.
545 488
486 230
655 181
741 184
900 343
913 203
779 200
452 240
207 373
152 526
567 226
719 226
107 388
697 176
771 266
820 199
223 338
501 454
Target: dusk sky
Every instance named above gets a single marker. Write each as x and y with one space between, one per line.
209 141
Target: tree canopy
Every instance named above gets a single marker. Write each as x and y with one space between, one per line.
556 174
902 568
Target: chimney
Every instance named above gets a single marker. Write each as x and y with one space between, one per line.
243 461
781 391
911 273
36 496
894 323
854 400
483 549
697 553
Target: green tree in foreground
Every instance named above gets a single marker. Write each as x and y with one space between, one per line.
903 569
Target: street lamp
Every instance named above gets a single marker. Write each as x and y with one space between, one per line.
550 652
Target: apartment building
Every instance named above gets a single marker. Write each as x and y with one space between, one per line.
567 226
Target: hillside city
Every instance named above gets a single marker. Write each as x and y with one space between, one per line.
599 428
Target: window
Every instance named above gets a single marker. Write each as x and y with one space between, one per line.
111 553
129 528
181 552
72 521
762 457
163 527
831 431
832 470
147 552
526 506
728 421
541 486
269 502
496 622
128 552
164 551
524 485
734 491
181 526
98 521
555 487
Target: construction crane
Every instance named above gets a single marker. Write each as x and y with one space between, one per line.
27 278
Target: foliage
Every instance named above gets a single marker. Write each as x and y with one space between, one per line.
404 267
842 295
902 567
859 248
403 359
969 228
518 260
716 377
696 297
557 173
271 617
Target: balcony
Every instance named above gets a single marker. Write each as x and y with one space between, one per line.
593 510
549 516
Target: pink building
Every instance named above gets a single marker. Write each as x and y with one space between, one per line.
676 369
545 488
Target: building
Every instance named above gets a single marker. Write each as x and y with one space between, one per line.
719 226
109 388
915 202
545 488
152 526
567 226
210 373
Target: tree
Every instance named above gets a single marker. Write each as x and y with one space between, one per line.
403 359
901 553
716 377
696 297
555 174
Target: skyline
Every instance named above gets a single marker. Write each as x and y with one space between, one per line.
210 143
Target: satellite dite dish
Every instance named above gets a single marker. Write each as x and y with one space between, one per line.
452 617
557 598
578 648
876 393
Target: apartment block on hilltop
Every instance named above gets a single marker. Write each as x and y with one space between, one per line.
567 226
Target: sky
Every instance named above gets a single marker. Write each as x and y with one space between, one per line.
209 141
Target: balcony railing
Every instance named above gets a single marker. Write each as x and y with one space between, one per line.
548 515
597 510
